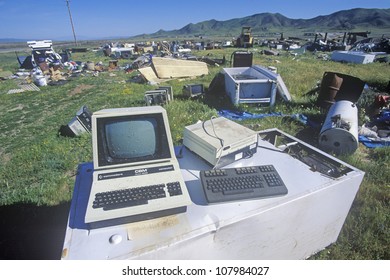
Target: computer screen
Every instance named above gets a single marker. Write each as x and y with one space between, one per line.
193 90
196 89
128 136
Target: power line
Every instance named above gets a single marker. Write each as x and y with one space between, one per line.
71 22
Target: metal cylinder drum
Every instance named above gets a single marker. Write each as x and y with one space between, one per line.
339 133
330 85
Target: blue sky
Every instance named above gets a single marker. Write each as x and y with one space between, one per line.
49 19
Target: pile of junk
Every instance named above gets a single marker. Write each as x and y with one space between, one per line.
340 96
43 63
44 66
345 102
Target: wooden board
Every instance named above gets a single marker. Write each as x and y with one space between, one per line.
149 74
166 68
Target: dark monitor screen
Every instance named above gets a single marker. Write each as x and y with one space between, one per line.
131 139
196 89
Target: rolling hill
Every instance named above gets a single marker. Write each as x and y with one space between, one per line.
346 20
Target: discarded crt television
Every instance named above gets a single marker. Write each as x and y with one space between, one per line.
80 124
193 90
156 97
169 91
254 84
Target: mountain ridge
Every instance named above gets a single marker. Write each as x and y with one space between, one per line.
344 20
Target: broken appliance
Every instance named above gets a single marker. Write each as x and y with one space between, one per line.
339 133
254 84
352 57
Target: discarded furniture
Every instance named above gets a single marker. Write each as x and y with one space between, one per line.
254 84
294 226
112 64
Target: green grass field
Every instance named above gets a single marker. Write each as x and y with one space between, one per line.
38 166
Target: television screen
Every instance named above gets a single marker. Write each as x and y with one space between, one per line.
193 90
197 89
131 139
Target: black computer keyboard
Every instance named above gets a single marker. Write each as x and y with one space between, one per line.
134 196
241 183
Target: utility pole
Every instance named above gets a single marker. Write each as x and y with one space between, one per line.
71 22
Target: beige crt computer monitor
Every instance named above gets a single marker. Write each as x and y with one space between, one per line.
133 136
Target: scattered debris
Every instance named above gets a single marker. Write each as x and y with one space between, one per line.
43 55
118 50
372 45
269 52
4 75
327 42
209 60
141 61
23 88
376 133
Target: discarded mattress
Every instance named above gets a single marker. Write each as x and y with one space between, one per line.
254 84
